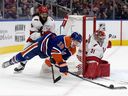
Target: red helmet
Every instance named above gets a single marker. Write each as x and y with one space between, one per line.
43 9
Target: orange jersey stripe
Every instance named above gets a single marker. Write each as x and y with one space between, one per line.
29 49
58 58
72 50
67 41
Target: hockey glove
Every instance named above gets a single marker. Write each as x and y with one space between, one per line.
63 68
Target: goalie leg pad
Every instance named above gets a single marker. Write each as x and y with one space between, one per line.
105 69
92 71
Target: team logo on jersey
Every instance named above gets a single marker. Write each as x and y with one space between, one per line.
61 45
63 52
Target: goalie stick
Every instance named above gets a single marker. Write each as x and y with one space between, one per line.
109 87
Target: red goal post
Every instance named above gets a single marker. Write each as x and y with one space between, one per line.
81 24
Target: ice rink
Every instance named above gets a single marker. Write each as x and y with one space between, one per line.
30 83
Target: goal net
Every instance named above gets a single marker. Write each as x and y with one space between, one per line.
85 26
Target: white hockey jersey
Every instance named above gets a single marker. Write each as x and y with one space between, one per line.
93 48
37 28
49 25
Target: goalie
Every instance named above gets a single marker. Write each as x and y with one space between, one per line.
96 45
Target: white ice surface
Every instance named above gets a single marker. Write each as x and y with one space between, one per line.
30 83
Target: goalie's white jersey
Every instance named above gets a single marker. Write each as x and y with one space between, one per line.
37 26
93 48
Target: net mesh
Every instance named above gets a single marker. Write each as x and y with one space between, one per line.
76 23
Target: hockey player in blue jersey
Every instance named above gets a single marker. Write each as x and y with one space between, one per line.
60 48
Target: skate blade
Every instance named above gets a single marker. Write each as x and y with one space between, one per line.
17 72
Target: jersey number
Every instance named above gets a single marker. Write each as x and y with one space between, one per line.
93 51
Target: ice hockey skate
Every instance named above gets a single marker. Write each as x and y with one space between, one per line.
20 68
6 64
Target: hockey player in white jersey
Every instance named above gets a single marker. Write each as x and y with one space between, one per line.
96 45
41 24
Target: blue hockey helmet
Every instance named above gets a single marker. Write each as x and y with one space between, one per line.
76 36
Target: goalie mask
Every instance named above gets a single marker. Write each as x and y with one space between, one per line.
99 36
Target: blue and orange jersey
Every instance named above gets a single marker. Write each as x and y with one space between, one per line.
50 45
62 49
58 47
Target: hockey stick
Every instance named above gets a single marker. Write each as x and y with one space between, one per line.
121 82
109 87
53 77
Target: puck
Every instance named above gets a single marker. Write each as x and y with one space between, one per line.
111 86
